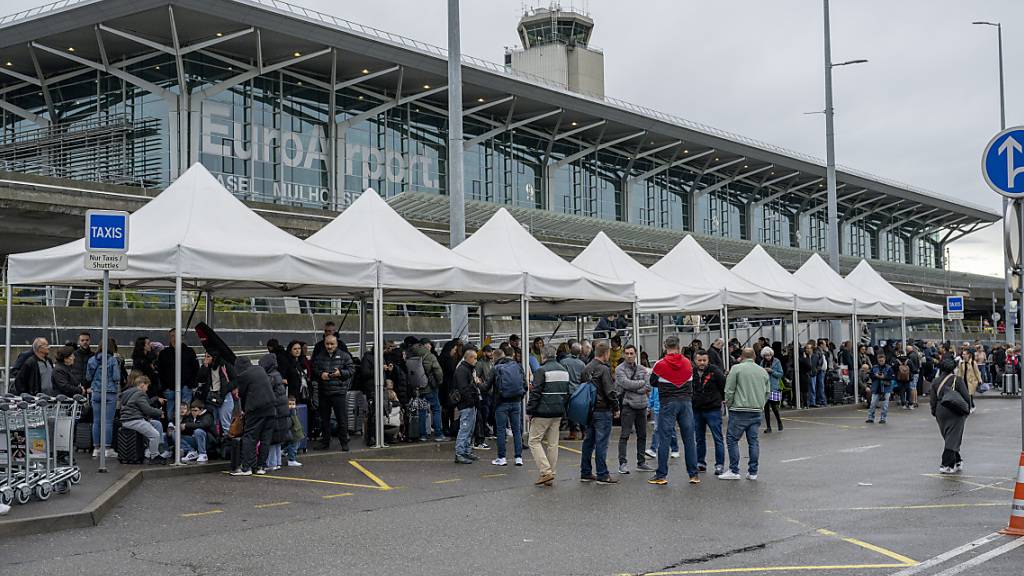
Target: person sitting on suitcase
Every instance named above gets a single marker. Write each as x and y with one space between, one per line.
139 415
198 432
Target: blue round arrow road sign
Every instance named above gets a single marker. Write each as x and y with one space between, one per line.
1002 164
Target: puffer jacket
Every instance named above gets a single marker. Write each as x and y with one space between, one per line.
550 392
135 406
340 361
632 386
431 367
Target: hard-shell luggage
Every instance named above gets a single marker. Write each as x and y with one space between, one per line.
1011 385
839 392
356 411
131 446
413 428
83 436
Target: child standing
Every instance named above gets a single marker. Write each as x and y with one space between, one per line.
291 447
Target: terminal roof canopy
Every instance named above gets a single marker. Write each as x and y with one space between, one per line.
199 230
502 241
411 264
654 293
760 268
871 281
689 265
816 272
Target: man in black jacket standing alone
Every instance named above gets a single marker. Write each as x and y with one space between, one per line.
466 398
335 370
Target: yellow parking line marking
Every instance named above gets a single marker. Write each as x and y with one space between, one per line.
449 481
867 546
776 569
342 495
969 483
840 426
198 514
380 483
405 460
567 448
498 475
907 507
272 505
314 481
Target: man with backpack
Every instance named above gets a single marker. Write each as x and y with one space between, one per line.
508 383
424 376
914 362
903 376
671 376
598 374
546 406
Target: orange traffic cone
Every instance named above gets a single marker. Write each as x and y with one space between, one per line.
1016 527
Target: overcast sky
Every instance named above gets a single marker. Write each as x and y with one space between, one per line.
920 112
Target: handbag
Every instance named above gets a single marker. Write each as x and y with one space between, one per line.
237 426
953 400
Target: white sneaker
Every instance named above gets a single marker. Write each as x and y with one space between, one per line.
959 466
273 468
499 462
4 509
946 470
166 455
95 452
203 458
650 453
730 475
751 476
519 461
294 463
191 457
675 454
110 453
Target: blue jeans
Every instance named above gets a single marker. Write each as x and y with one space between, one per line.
709 419
274 455
595 444
290 449
875 399
655 437
816 390
676 412
196 442
467 423
111 406
172 404
435 415
741 423
224 414
509 413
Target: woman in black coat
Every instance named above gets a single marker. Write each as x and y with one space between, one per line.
293 370
951 421
142 362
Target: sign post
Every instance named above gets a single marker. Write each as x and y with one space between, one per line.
106 245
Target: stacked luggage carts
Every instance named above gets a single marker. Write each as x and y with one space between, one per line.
37 455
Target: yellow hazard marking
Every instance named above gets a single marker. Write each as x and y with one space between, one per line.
867 546
198 514
272 504
373 477
315 481
342 495
448 481
498 475
895 507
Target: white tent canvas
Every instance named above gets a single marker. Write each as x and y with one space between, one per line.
871 281
816 272
690 266
411 263
198 230
760 268
654 293
502 241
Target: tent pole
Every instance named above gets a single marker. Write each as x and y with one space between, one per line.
378 361
525 339
854 345
661 332
483 325
361 309
177 370
209 308
943 326
725 334
903 326
796 353
7 339
579 328
636 327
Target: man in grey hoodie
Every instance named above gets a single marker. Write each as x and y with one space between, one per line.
631 382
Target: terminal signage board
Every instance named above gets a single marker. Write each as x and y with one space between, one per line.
106 240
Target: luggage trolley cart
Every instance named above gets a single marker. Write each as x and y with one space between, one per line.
35 464
65 412
7 444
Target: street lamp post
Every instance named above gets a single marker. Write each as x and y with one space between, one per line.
1009 321
456 191
830 147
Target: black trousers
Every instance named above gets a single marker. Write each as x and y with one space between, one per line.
633 418
950 458
338 403
259 429
772 405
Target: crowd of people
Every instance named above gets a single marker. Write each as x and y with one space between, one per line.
476 395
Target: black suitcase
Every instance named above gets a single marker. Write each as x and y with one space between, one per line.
839 392
131 446
412 432
83 436
233 447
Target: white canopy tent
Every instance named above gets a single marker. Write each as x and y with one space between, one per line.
196 235
412 266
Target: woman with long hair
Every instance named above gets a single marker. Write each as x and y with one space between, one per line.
142 364
950 404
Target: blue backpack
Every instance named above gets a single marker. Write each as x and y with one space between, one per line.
581 404
509 379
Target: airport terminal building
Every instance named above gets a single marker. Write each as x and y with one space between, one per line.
105 102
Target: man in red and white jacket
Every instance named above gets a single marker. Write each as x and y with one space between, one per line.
671 376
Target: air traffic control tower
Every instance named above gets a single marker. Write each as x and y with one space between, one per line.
556 48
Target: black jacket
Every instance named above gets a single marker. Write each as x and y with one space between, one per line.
142 364
327 362
715 357
469 392
82 356
204 421
600 374
550 392
189 367
293 370
27 381
65 382
254 388
708 388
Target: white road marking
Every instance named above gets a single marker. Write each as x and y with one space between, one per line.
982 558
860 449
947 555
796 459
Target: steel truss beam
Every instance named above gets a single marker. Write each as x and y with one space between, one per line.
509 126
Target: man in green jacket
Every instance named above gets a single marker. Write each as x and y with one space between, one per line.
746 391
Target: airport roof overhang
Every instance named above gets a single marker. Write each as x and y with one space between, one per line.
262 35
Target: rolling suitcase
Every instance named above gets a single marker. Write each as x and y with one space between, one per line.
83 436
412 432
838 392
1010 385
233 447
356 403
131 446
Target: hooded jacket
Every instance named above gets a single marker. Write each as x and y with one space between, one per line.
135 406
708 388
254 388
671 376
282 416
431 367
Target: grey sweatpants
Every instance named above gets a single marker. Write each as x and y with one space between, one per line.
152 430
